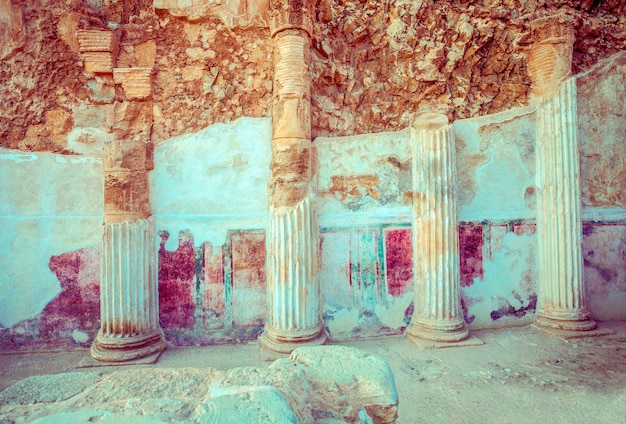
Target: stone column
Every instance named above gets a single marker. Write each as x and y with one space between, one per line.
437 318
561 303
293 292
128 279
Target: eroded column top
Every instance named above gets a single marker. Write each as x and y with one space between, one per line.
429 121
551 40
290 14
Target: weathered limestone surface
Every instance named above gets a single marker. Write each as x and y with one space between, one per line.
99 49
601 94
462 60
128 294
136 82
129 288
234 13
437 314
126 193
458 59
293 292
561 301
11 29
404 56
335 383
550 56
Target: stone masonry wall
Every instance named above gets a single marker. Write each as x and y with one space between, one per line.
373 64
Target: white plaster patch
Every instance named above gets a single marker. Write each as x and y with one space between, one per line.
504 281
506 141
51 205
502 182
80 336
343 321
392 314
213 181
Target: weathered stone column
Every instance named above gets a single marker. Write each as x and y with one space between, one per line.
129 308
293 292
437 318
561 303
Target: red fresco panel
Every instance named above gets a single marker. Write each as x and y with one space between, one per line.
77 306
248 278
471 253
213 278
399 261
177 275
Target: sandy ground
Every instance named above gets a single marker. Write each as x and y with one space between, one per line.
520 375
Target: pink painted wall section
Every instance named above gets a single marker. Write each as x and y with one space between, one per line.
216 294
70 319
177 283
214 298
248 278
213 294
471 253
358 300
505 293
78 304
399 261
604 256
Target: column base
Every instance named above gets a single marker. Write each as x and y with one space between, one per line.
275 344
127 348
565 320
424 344
570 325
438 331
573 334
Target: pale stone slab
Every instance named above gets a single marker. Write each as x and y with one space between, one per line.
424 344
573 334
89 362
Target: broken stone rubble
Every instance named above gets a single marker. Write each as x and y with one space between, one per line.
328 383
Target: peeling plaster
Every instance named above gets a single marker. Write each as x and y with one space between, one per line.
393 314
213 181
508 280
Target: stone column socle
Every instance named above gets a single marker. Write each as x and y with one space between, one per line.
561 309
129 309
293 292
437 318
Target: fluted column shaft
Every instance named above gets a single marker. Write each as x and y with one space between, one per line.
559 230
561 302
437 313
293 293
129 310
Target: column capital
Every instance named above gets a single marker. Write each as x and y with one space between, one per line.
558 28
551 40
429 121
290 14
